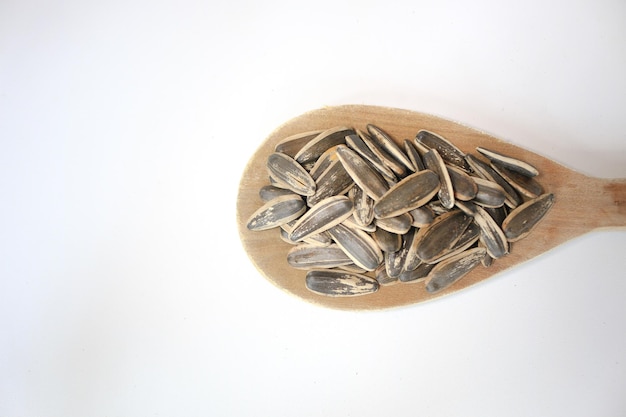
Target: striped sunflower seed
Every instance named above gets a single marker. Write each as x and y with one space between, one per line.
313 149
363 206
286 170
322 216
305 256
389 145
382 277
277 211
323 162
491 234
357 144
486 172
392 163
521 221
447 272
414 155
336 283
489 193
434 162
526 186
442 234
418 274
292 144
412 192
362 173
513 164
387 241
399 224
335 180
269 192
422 216
449 152
358 245
463 184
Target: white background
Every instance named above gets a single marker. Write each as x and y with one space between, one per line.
125 127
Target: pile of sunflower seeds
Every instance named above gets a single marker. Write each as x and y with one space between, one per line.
362 213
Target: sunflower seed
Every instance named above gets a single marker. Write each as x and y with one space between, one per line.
389 145
286 170
357 144
418 274
358 245
387 241
414 155
489 194
325 140
353 223
277 211
409 244
322 216
412 192
434 162
362 173
486 172
449 153
269 192
382 277
305 256
398 224
463 184
335 180
469 237
393 263
363 206
389 161
323 162
447 272
437 238
422 216
490 233
526 186
336 283
292 144
513 164
521 221
321 239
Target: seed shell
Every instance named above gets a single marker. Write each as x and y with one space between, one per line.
363 206
277 211
489 193
269 192
325 140
509 162
521 221
336 283
491 234
449 152
305 256
437 238
362 173
292 144
527 186
358 245
357 144
463 184
398 224
447 272
390 162
412 192
387 241
484 171
322 216
286 170
335 180
389 145
434 162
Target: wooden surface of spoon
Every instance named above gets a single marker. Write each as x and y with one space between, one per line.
582 203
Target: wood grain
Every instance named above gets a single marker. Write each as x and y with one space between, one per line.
582 204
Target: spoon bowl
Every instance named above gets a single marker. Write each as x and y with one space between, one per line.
582 203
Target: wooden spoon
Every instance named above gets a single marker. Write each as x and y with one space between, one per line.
582 203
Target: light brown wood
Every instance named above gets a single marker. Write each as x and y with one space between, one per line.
582 203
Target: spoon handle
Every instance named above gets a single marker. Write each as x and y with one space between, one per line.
605 203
